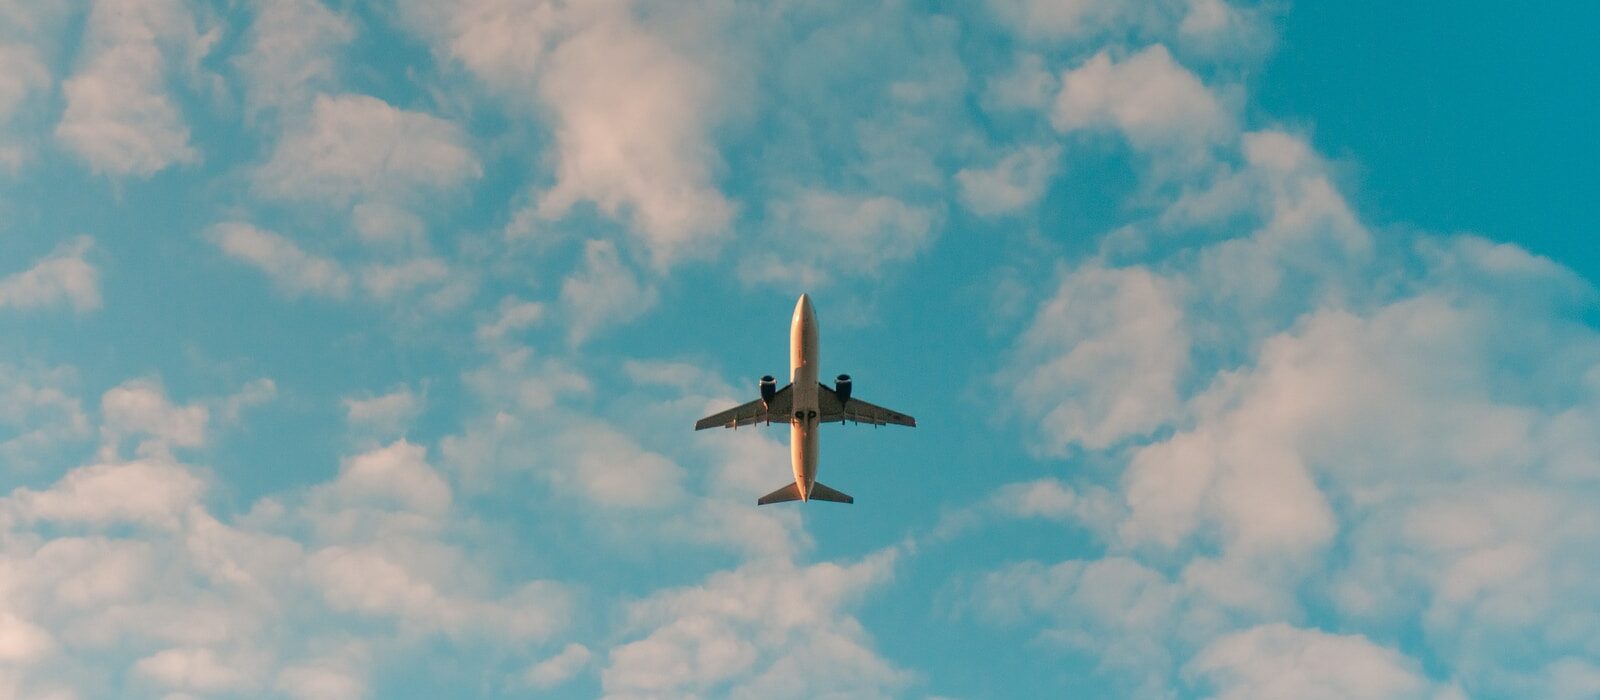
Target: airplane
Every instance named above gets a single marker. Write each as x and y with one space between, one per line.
805 404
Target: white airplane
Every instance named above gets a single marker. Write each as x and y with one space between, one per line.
804 404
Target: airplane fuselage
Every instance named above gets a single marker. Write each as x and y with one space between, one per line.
803 423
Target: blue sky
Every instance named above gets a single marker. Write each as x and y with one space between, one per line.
351 350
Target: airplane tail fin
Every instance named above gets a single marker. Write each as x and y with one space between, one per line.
820 492
791 492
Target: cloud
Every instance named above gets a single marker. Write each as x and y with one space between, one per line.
1016 181
396 477
844 235
150 492
513 315
23 641
292 270
197 669
62 276
37 406
356 149
119 117
558 669
389 413
632 116
1280 661
1102 358
385 282
28 36
253 393
22 74
291 54
630 108
120 568
1157 104
739 634
1207 29
139 407
603 293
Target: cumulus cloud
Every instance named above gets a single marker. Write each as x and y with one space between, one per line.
1206 28
1153 101
558 669
355 149
119 116
604 292
739 634
387 413
291 269
630 110
290 54
385 282
38 406
1016 181
844 235
1102 358
123 563
64 276
513 315
632 115
139 407
148 492
1280 661
22 74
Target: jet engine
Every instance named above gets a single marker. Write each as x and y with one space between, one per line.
841 386
769 388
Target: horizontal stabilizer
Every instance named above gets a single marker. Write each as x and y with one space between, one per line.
791 492
823 493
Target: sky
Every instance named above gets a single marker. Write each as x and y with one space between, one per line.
352 350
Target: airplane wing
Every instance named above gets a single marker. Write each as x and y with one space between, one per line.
756 411
856 411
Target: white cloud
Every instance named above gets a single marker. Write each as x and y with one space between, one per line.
603 293
631 110
388 413
385 282
1028 86
323 680
356 148
1102 358
29 34
119 117
1209 29
632 115
740 634
140 407
150 492
253 393
512 316
1016 181
292 270
198 669
37 406
558 669
22 641
378 222
1280 661
1157 104
1044 19
22 74
825 235
62 276
291 54
397 476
